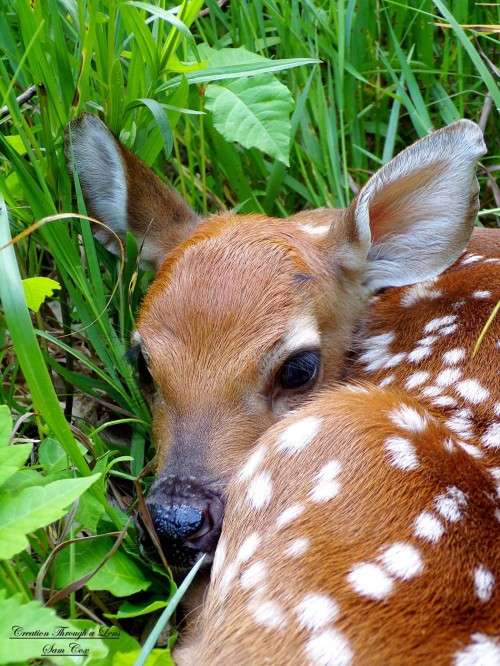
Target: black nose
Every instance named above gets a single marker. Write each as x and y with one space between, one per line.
187 517
177 522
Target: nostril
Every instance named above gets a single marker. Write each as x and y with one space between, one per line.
179 521
205 527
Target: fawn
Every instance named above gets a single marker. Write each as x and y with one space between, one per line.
313 383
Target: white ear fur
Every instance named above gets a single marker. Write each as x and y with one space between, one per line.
414 217
94 153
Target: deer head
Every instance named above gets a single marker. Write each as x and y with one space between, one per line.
248 316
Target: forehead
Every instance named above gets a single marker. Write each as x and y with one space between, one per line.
236 280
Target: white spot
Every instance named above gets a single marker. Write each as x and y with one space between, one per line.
419 354
408 418
377 351
460 425
439 322
471 390
481 294
219 557
253 575
286 516
454 356
495 473
431 391
387 380
269 614
496 408
449 505
458 305
315 611
297 547
248 547
394 360
448 376
401 453
491 436
378 362
380 341
260 490
230 573
325 490
418 292
327 485
402 560
330 470
484 582
444 401
252 463
370 580
448 330
471 449
329 648
483 651
315 230
299 434
303 333
428 527
416 379
427 341
471 258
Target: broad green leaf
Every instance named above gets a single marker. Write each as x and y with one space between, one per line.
130 609
16 616
156 657
255 113
35 507
229 56
12 458
23 479
120 575
5 425
108 635
89 512
51 454
37 289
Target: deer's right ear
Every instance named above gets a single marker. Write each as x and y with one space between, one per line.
124 194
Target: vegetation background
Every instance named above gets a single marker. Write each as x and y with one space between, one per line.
267 106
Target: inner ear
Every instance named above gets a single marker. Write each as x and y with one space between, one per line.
415 216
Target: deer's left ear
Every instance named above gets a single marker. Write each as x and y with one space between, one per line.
415 216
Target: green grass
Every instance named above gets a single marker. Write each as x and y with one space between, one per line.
387 73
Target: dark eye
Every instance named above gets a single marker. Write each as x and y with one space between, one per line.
299 370
136 359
